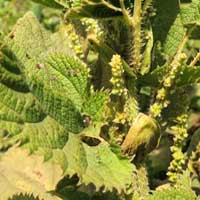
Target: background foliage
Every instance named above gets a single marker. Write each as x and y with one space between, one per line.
99 100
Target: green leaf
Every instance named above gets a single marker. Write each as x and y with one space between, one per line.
190 13
95 105
172 193
59 84
22 173
22 118
167 12
29 39
95 164
22 104
73 194
9 72
174 38
58 81
47 134
166 23
154 78
61 94
172 22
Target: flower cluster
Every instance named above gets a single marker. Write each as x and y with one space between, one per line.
117 76
180 135
92 27
161 98
75 41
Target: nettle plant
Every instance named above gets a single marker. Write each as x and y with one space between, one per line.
99 109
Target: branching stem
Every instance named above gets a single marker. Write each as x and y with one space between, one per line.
105 3
111 6
125 13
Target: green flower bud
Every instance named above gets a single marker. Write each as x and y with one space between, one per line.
144 131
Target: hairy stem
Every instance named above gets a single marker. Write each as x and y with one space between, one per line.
125 13
146 6
137 34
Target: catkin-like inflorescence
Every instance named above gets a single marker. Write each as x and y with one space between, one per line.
162 94
92 27
75 41
117 79
180 136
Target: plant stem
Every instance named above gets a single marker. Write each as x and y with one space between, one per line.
125 13
195 60
111 6
137 34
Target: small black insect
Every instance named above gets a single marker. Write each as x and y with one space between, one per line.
39 66
87 121
68 72
53 78
72 72
90 141
28 56
12 35
38 174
